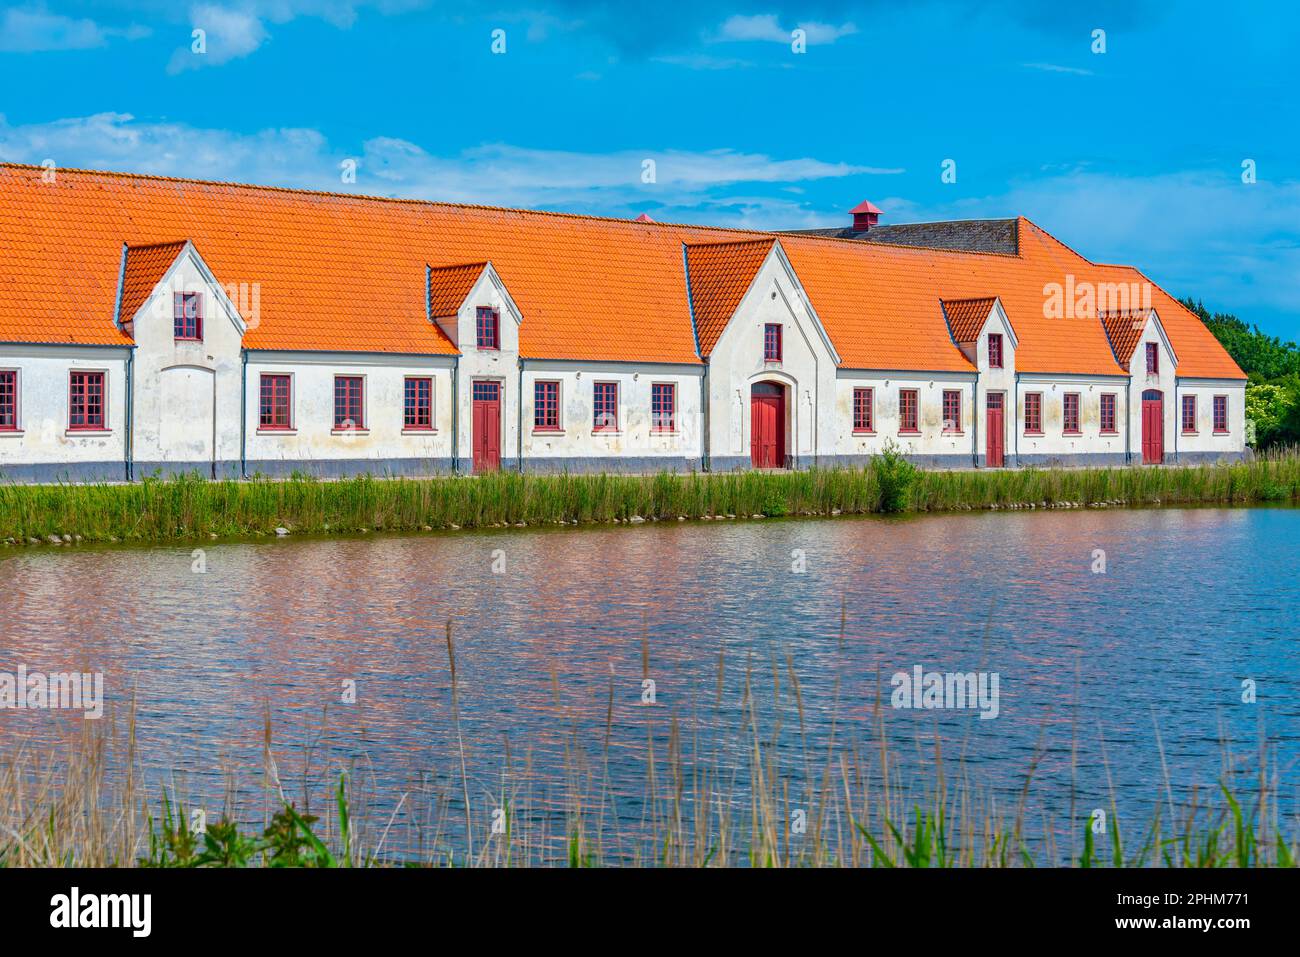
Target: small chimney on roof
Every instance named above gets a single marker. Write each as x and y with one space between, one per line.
865 215
643 218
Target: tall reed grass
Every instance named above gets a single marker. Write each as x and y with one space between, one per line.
180 508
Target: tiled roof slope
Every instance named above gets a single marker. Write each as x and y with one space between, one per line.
966 317
1124 330
970 235
145 268
720 274
449 285
339 272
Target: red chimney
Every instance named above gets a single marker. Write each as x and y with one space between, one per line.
865 215
644 218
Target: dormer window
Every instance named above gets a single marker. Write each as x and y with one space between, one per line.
488 328
1153 359
188 315
995 350
772 342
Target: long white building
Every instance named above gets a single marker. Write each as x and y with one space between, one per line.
154 326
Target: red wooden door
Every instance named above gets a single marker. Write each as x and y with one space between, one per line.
1153 427
487 426
767 426
994 430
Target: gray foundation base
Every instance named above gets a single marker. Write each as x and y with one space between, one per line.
349 468
54 474
610 464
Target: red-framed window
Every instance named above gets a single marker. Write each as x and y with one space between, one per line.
1221 413
1108 406
349 402
1033 413
604 406
488 327
951 410
1189 414
663 407
1070 413
546 406
995 350
8 400
187 314
86 400
486 391
772 342
907 414
1153 358
275 406
864 418
417 404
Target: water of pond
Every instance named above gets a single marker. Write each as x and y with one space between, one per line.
556 629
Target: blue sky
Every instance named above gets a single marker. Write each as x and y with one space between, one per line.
1134 154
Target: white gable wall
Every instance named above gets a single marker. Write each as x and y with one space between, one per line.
497 365
807 370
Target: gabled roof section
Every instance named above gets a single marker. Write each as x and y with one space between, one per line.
1124 330
449 286
718 275
143 270
966 317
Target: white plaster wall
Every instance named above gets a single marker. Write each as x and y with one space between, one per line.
1165 381
995 380
499 365
186 393
807 369
313 436
1205 440
1054 441
932 440
43 436
634 438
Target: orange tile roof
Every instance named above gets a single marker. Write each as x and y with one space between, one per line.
145 268
966 317
347 273
450 285
1124 330
719 275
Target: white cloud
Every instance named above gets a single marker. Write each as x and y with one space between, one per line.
766 27
34 29
690 185
1057 68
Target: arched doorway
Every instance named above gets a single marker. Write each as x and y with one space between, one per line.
1153 427
767 425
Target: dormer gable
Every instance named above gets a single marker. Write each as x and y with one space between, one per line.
1129 330
981 329
170 282
458 294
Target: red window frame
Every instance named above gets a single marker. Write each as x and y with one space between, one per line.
546 406
187 324
1033 413
1070 413
1188 414
275 402
1220 414
995 350
1153 359
349 403
8 400
487 327
1109 413
952 411
909 411
87 401
417 404
604 406
864 420
663 407
772 342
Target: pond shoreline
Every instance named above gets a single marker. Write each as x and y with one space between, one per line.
192 508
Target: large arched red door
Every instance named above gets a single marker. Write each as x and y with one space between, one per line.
1153 427
767 425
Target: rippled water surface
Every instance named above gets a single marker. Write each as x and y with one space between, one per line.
549 657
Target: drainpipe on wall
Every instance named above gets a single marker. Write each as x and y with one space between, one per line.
1128 423
519 420
243 414
455 415
705 464
1178 418
975 422
128 441
1015 418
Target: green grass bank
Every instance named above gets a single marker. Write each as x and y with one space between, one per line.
187 508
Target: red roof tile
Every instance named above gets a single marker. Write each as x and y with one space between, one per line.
145 268
449 286
966 317
719 275
1124 330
